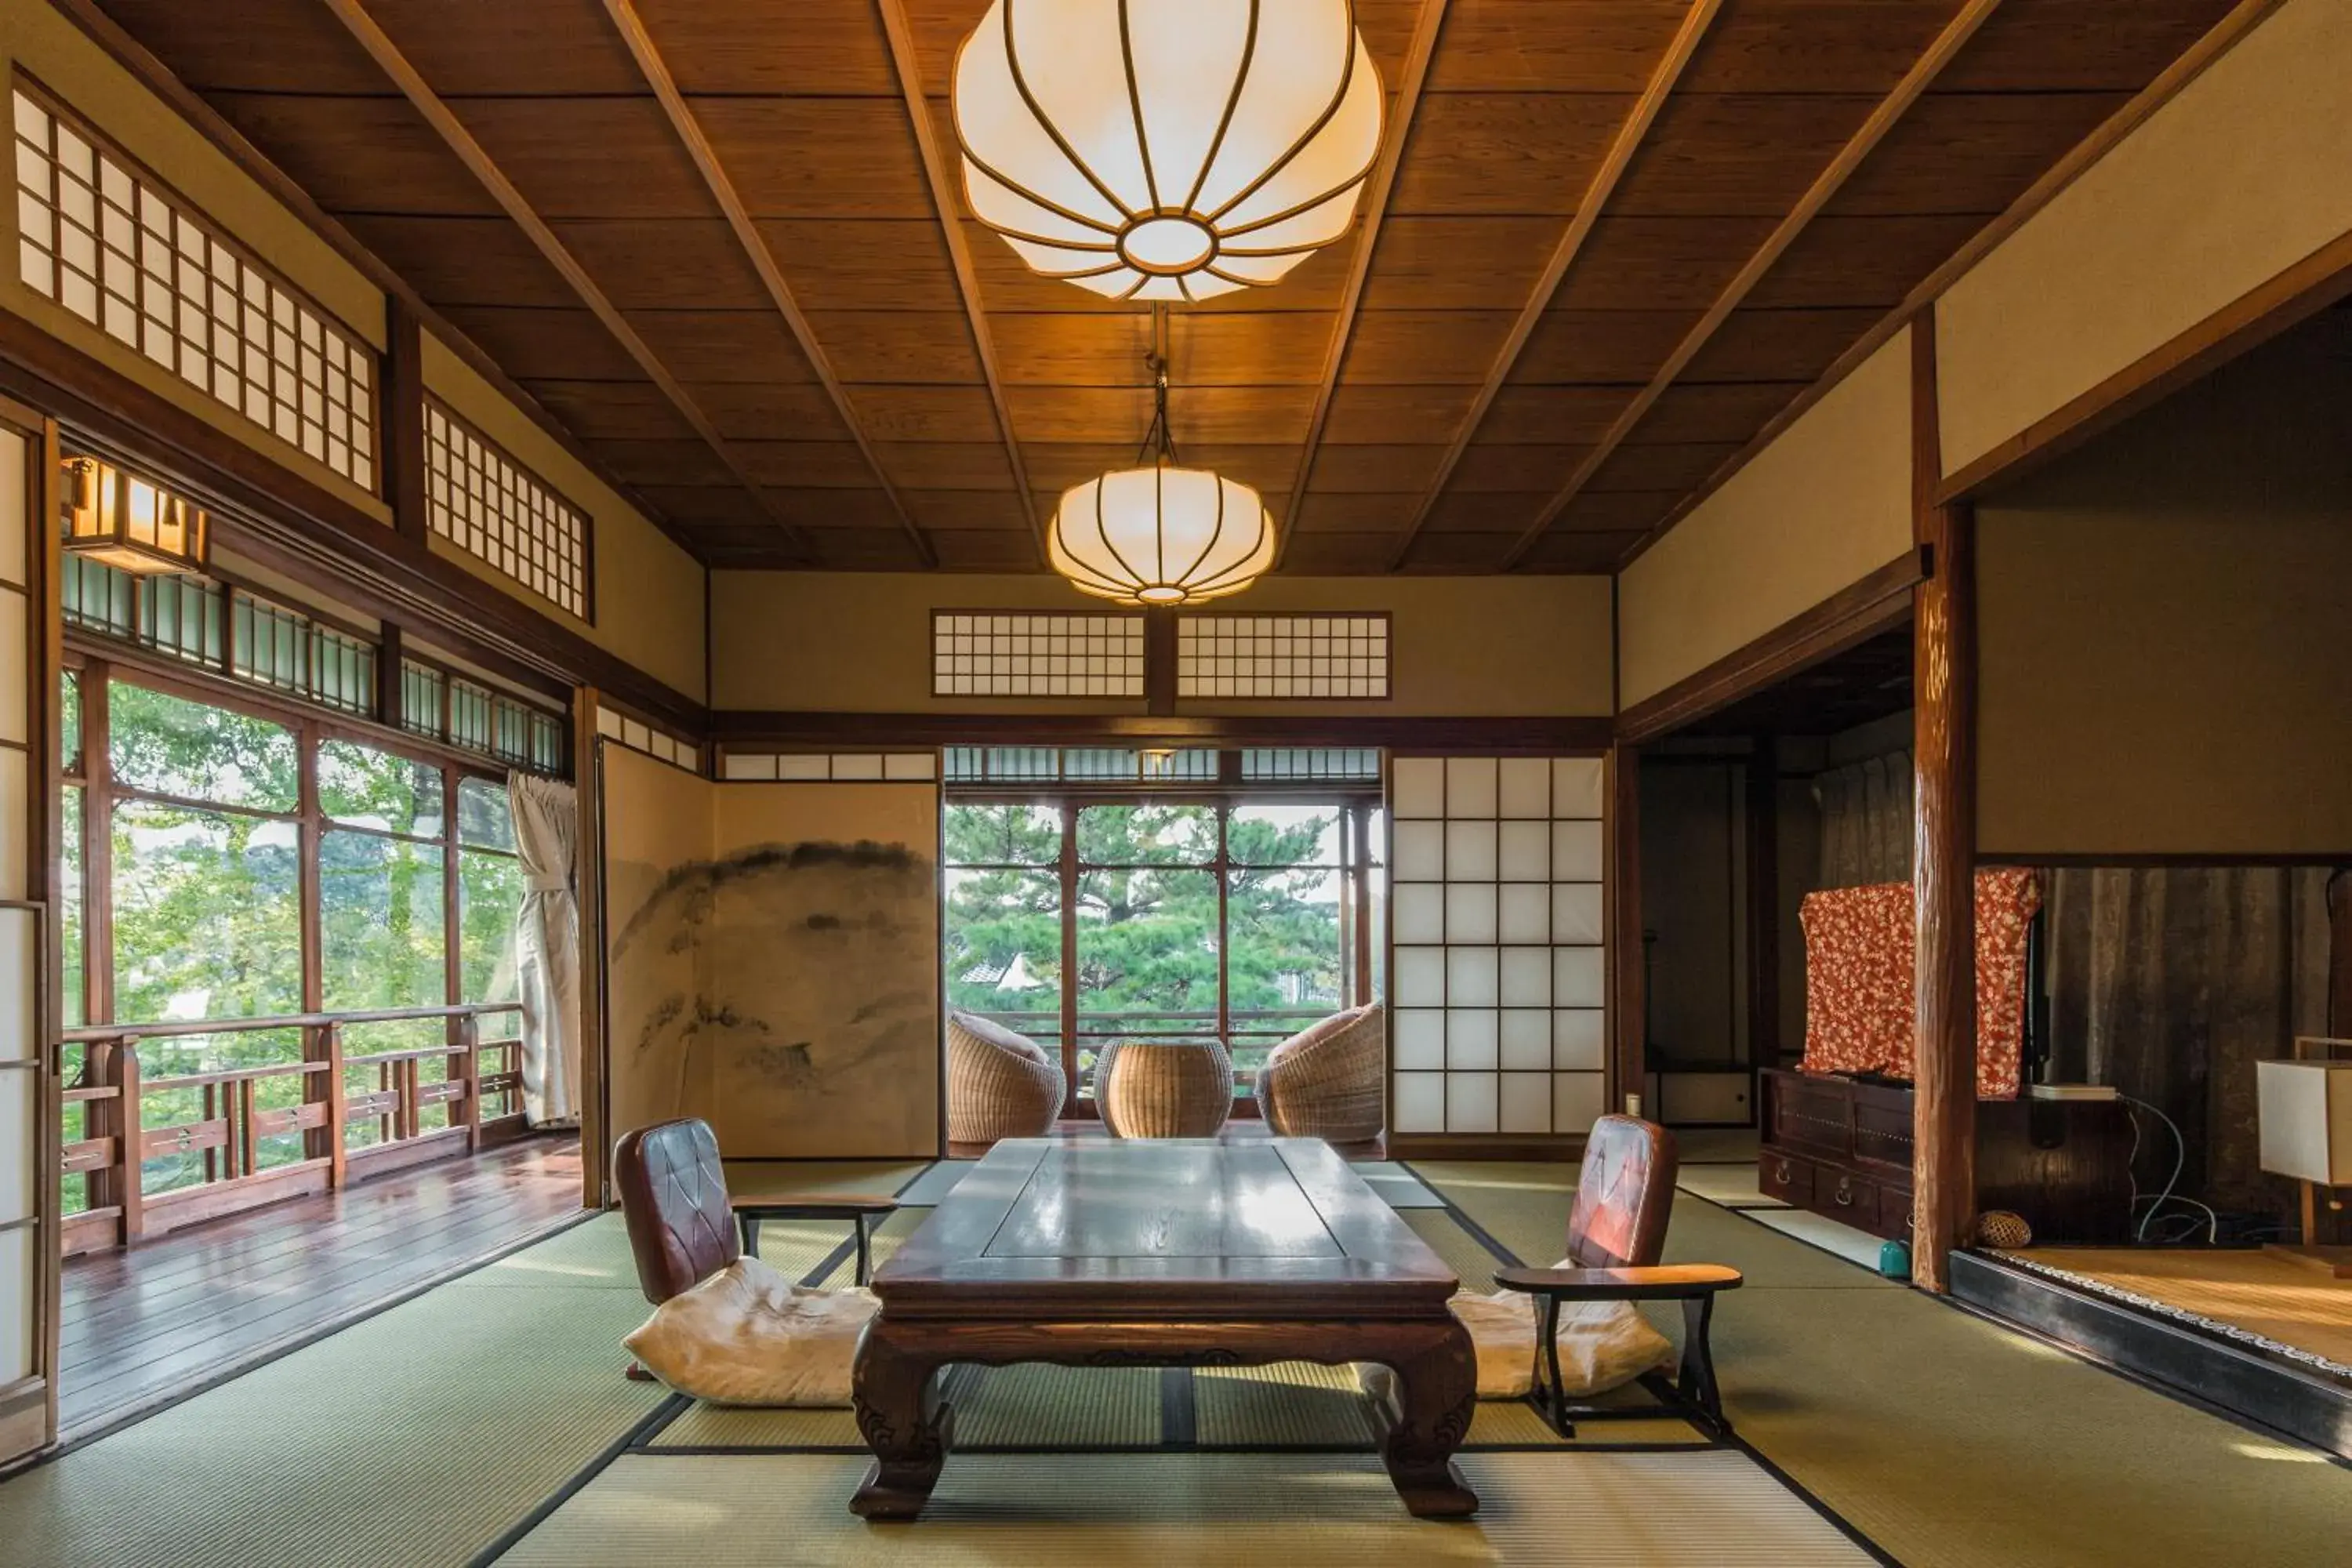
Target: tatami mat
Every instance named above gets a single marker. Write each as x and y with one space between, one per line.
1949 1441
414 1437
1036 1404
786 1179
1858 1248
1713 1509
1733 1186
937 1183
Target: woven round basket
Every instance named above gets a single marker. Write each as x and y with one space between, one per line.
1998 1228
1164 1089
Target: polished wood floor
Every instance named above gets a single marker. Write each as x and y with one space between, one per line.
144 1326
2261 1292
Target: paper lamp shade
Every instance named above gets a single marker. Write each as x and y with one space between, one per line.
1160 535
1166 149
2306 1120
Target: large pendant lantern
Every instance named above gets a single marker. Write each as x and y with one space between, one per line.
1166 149
1160 534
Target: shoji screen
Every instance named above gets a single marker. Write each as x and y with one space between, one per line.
1498 987
24 1415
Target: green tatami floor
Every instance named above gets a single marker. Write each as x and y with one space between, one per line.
489 1417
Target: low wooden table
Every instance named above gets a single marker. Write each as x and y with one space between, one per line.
1173 1253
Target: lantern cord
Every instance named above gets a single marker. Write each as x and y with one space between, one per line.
1158 442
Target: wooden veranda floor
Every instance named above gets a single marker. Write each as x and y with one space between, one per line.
163 1319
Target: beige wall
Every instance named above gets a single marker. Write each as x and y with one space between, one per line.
2242 174
860 642
37 41
1824 506
649 602
2160 619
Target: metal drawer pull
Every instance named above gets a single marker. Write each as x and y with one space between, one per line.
1844 1195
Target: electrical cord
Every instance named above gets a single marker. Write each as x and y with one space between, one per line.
2179 1164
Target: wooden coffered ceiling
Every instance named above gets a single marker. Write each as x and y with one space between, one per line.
723 242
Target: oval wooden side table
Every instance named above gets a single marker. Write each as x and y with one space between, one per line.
1164 1089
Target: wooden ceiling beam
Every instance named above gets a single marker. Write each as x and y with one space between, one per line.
2111 132
1376 206
1826 184
395 64
1603 185
908 64
689 129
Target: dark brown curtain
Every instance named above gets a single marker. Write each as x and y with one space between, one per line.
2170 985
1866 822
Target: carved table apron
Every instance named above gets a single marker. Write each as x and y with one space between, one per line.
1176 1252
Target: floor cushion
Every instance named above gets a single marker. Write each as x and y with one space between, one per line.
1602 1344
748 1336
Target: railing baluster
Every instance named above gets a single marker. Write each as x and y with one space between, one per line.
337 1162
249 1146
469 1044
130 1169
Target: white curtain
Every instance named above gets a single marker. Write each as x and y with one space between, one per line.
547 948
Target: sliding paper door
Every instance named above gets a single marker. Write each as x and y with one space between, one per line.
1497 990
28 1244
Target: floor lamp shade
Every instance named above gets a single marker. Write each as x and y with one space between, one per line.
2305 1109
1166 150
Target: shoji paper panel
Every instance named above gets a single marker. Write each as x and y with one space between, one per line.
20 935
1497 990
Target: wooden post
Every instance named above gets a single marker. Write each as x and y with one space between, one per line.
134 1199
337 1162
1159 661
1628 999
588 880
1944 672
1763 832
403 420
1069 873
469 1044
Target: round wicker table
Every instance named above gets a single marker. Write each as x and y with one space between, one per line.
1164 1089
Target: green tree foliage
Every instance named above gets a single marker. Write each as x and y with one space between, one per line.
206 895
1146 914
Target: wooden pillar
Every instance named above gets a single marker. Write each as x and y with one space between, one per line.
1627 992
1944 688
1159 661
404 421
2339 954
588 880
1763 836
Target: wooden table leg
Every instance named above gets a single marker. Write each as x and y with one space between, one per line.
1426 1417
895 1389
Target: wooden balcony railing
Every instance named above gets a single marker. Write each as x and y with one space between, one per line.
480 1083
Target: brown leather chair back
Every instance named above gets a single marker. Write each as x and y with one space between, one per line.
1623 1196
674 1199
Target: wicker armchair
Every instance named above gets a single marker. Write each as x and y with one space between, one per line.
1325 1080
1000 1084
1164 1089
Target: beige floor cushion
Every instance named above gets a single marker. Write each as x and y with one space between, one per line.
748 1336
1602 1344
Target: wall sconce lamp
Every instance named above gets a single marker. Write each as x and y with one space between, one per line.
129 523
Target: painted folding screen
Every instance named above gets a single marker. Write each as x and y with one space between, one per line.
1498 985
1860 989
773 959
